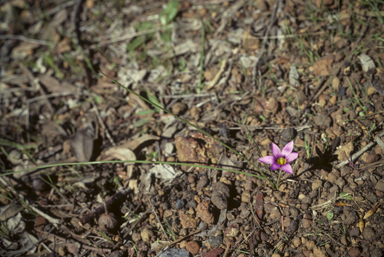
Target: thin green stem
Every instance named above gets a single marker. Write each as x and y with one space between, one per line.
10 172
197 128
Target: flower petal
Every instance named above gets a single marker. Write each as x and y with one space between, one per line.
287 168
291 157
276 150
275 166
287 149
267 159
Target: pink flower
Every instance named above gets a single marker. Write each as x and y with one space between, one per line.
280 159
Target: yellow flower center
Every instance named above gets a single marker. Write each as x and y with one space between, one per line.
281 161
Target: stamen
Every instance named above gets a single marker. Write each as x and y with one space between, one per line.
281 161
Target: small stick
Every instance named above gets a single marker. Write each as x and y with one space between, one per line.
26 39
54 221
356 155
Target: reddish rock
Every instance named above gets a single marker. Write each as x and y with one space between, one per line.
193 247
204 212
354 252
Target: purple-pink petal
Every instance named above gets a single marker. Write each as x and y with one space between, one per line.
287 168
287 149
275 166
267 159
276 150
291 157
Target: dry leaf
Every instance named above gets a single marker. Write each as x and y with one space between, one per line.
51 128
366 62
133 144
361 225
82 145
323 66
9 211
371 211
294 77
54 86
121 153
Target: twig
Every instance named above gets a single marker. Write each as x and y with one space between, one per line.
218 75
189 95
158 220
356 155
102 123
26 39
54 221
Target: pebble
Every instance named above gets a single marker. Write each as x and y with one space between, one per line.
319 252
146 234
245 196
343 239
372 158
179 204
193 247
354 252
349 217
248 185
178 108
245 213
192 204
368 234
202 226
275 214
304 206
183 243
293 211
380 185
355 232
289 134
165 206
203 181
313 194
168 213
332 178
296 242
220 195
187 221
136 237
117 253
215 241
287 222
174 252
307 223
191 178
266 142
276 255
323 121
340 182
230 216
317 184
293 227
309 244
302 196
307 200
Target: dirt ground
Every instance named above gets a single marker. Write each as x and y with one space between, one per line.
135 128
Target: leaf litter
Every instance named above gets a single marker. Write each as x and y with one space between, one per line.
249 73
